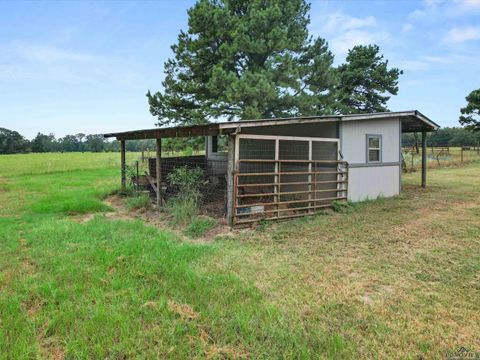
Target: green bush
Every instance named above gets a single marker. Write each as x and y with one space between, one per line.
184 207
187 181
137 201
199 226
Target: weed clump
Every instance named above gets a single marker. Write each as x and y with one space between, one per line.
342 206
184 206
182 210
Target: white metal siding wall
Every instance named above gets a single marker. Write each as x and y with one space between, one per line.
371 180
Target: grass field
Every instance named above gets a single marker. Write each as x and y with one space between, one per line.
392 278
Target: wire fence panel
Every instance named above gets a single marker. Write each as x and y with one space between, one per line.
213 186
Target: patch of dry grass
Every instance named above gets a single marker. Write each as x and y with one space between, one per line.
397 277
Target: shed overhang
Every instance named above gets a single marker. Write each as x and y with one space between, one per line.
412 121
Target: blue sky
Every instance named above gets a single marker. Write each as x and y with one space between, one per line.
69 67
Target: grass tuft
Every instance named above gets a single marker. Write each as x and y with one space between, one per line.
183 210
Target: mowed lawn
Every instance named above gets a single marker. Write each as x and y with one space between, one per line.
391 278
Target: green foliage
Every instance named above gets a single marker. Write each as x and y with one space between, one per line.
44 143
199 226
187 181
364 80
471 113
12 142
447 136
245 59
188 151
138 201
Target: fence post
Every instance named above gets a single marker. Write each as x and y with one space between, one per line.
159 173
123 166
461 154
231 185
424 159
136 180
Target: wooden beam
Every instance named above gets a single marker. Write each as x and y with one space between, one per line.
424 159
159 174
123 165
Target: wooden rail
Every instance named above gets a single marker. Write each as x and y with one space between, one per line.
281 196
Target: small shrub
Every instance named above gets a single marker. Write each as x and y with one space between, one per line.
187 181
138 201
199 226
182 209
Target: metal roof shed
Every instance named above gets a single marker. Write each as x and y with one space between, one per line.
370 143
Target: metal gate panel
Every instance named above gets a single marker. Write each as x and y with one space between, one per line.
281 177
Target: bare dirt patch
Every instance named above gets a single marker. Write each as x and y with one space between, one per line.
82 218
161 220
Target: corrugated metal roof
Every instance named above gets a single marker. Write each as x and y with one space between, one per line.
412 121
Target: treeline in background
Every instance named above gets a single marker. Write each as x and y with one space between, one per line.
11 142
448 136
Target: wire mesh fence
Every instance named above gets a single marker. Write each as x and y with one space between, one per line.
274 178
438 156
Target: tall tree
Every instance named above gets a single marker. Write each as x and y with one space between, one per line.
69 143
44 143
244 59
365 81
12 142
471 113
94 142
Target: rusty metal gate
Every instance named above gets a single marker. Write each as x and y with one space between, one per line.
280 177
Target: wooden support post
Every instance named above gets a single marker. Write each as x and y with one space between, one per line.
424 159
461 154
232 151
123 166
310 204
159 174
276 180
136 176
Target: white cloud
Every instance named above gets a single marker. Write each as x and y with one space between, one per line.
47 54
458 35
412 65
342 43
343 22
467 5
344 31
407 27
436 10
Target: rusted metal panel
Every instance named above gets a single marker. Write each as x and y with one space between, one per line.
252 203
